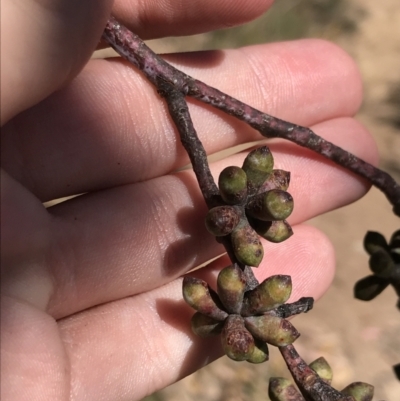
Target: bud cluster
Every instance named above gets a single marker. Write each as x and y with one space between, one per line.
255 204
384 263
281 389
247 320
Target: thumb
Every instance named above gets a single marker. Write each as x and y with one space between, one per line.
44 44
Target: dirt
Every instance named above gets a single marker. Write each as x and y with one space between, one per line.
360 340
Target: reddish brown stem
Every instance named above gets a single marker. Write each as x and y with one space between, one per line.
132 48
179 112
309 383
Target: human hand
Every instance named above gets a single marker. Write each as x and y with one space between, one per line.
91 294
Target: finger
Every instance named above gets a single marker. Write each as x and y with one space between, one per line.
33 360
135 238
150 19
25 233
112 125
44 44
127 336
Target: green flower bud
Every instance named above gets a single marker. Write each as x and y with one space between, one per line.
359 391
231 285
260 353
273 231
205 326
221 220
198 295
246 245
272 329
321 367
232 184
281 389
374 241
277 179
271 293
381 263
369 287
272 205
257 165
237 342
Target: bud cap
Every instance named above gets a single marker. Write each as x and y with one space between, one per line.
232 185
231 285
322 368
272 329
247 245
237 342
359 391
281 389
205 326
198 295
271 293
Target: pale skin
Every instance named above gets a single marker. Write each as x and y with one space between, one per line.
91 289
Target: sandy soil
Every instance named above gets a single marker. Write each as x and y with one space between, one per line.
360 340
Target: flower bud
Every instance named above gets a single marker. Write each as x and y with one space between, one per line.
276 179
369 287
197 294
374 241
260 353
321 367
281 389
272 292
272 329
205 326
221 220
272 205
232 185
381 263
231 285
359 391
246 245
237 342
273 231
257 165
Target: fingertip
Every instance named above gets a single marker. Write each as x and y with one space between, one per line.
154 19
44 45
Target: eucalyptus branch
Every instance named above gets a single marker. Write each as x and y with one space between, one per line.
132 48
247 314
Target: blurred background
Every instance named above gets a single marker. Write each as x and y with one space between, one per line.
360 340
